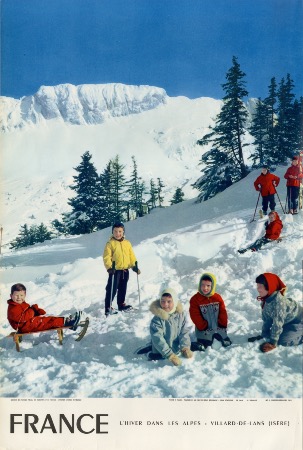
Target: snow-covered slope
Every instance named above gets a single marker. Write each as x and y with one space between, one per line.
173 246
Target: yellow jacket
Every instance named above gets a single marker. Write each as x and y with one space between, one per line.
119 251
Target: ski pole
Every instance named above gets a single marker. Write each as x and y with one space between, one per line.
112 288
256 207
136 265
286 200
280 201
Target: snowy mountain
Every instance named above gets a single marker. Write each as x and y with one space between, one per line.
43 137
173 246
78 105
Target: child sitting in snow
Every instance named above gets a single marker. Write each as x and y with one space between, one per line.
169 329
273 229
25 318
207 311
282 317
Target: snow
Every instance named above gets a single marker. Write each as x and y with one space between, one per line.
173 245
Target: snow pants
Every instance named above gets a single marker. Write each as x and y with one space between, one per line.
268 199
292 333
292 197
120 284
41 323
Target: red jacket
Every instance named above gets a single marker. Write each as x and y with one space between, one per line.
195 312
267 184
273 229
20 313
295 172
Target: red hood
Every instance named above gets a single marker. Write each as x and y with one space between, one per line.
274 283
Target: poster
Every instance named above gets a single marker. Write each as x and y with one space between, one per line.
40 41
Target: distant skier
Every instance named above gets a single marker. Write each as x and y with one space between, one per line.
118 250
266 183
282 317
273 229
25 318
293 176
208 313
169 329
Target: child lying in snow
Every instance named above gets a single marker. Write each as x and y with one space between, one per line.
207 311
273 230
169 329
25 318
282 317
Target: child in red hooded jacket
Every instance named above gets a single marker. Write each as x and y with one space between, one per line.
282 317
208 313
273 229
25 318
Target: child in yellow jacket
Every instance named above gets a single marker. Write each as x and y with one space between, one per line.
119 251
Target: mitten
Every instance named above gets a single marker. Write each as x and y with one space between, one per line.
254 338
137 270
111 271
186 352
267 347
38 311
175 360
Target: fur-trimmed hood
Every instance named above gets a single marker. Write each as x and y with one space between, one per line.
157 311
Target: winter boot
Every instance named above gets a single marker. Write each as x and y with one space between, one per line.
261 214
197 347
73 320
242 251
110 311
124 307
295 211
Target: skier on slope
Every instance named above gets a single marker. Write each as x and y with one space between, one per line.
25 318
273 229
282 317
119 251
266 183
293 176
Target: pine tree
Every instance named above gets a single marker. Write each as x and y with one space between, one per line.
31 235
286 131
259 130
178 196
298 117
106 200
135 190
118 189
84 215
271 142
217 175
226 138
153 194
160 187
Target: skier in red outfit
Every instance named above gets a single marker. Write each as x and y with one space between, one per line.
25 318
266 183
293 176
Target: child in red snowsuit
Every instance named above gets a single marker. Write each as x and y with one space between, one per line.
266 183
273 229
25 318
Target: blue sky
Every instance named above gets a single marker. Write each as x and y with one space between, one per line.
183 46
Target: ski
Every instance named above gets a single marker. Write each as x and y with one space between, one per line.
84 326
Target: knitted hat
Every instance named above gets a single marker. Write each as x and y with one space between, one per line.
173 295
213 280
